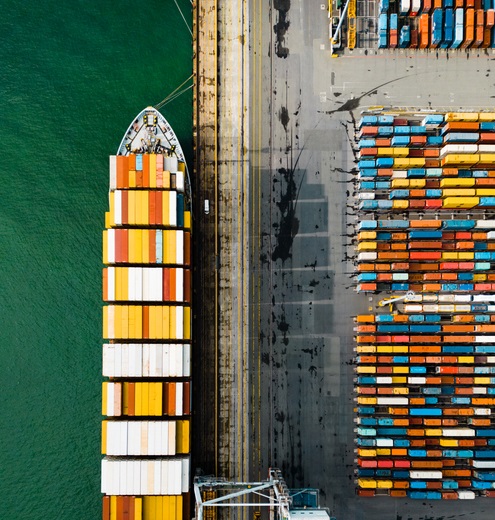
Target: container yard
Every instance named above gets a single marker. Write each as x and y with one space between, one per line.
412 24
424 375
147 287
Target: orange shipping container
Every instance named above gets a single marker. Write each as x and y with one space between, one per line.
424 30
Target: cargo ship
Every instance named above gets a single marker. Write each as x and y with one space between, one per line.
146 397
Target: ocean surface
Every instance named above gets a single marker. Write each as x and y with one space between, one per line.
72 77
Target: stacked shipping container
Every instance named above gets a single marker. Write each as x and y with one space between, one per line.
425 24
425 377
147 284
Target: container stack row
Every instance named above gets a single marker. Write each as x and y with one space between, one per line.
146 399
425 365
432 24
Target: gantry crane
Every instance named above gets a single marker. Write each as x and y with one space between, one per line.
214 492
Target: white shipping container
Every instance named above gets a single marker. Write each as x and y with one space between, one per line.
170 164
384 380
179 181
108 360
384 442
430 308
134 438
462 308
399 174
125 360
135 284
483 464
367 255
400 277
179 394
179 285
136 355
486 148
479 390
186 360
179 323
482 411
416 380
113 172
117 207
185 475
146 360
365 195
490 359
175 476
110 239
490 308
485 224
392 401
458 432
446 308
156 469
412 308
483 298
425 475
118 363
430 297
466 495
111 284
457 148
484 339
166 361
446 298
490 235
179 245
172 201
462 297
110 411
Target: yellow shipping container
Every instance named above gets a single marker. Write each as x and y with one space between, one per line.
417 183
458 192
465 359
466 255
384 452
401 163
432 432
365 349
104 398
105 247
367 483
461 116
131 207
169 246
381 349
450 443
416 162
366 400
399 380
467 159
145 246
400 183
367 235
108 219
479 277
364 369
460 202
384 484
401 391
452 182
449 255
145 397
486 158
138 508
103 437
132 253
366 246
187 219
485 192
486 116
158 389
183 437
400 204
400 370
165 209
482 381
366 452
187 322
132 178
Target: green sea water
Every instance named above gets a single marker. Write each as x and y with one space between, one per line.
72 77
